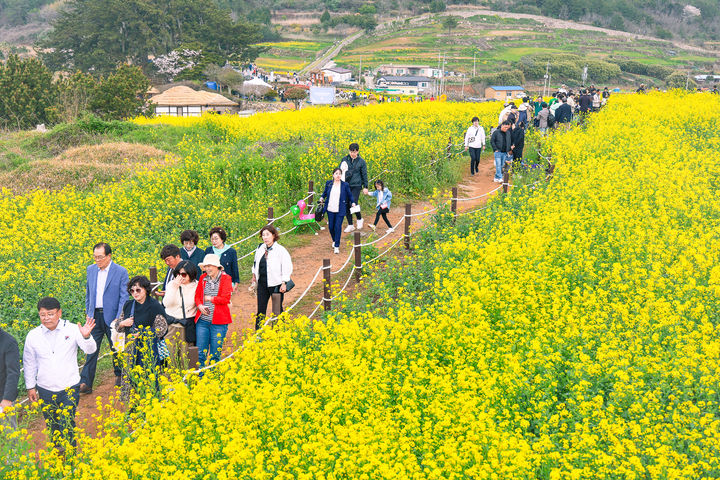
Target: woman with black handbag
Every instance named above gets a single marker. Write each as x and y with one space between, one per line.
271 272
143 318
179 299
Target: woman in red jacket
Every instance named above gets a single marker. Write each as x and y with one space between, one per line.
212 298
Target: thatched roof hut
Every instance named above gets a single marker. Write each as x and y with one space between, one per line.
184 101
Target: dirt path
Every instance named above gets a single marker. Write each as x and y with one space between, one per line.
306 261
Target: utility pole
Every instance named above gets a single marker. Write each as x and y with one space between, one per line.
474 65
546 81
360 75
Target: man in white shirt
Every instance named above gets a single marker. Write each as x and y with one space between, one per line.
51 369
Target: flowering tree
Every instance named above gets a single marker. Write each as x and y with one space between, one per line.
176 62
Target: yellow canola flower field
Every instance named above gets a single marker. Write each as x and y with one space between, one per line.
232 169
570 333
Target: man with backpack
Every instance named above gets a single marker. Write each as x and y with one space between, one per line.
354 172
564 112
501 142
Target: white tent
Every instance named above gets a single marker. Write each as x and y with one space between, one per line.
255 86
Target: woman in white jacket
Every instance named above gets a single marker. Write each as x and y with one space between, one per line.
474 143
271 272
179 299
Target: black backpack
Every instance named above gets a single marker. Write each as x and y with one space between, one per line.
551 120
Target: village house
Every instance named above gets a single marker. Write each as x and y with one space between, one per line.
406 84
503 93
414 70
336 74
182 101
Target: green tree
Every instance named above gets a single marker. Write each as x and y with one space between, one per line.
450 23
325 17
680 79
96 35
121 94
367 9
297 95
437 6
74 95
28 93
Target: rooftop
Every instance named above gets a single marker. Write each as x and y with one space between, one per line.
501 89
406 78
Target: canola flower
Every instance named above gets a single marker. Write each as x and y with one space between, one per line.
568 332
255 163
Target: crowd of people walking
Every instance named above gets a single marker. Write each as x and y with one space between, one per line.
195 294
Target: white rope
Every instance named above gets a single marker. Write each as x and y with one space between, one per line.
288 231
312 282
316 309
422 213
245 239
272 220
342 289
472 211
344 264
388 249
402 219
247 254
465 199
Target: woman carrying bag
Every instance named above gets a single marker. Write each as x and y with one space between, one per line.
337 197
144 320
179 303
271 272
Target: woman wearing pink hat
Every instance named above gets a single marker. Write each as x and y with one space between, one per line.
212 298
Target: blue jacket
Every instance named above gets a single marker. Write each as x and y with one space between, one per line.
229 261
346 197
115 295
387 196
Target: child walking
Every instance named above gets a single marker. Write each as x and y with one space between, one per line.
383 197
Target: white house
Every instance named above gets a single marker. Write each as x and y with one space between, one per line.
406 84
337 74
413 70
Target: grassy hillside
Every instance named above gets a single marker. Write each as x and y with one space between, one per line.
499 44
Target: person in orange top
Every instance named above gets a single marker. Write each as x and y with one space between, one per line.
212 298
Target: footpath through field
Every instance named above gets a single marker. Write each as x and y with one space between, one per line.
306 261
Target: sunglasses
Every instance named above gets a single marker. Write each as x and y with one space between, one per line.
183 274
136 290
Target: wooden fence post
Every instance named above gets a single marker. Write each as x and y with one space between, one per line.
408 218
154 279
506 181
358 256
193 357
453 203
326 284
311 192
270 216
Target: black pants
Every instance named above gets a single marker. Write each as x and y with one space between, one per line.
356 199
100 330
383 212
474 159
264 294
59 412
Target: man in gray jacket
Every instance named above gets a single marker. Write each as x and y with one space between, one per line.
9 375
354 171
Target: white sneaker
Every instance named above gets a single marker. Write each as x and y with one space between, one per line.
336 250
390 230
372 227
349 228
360 224
497 181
